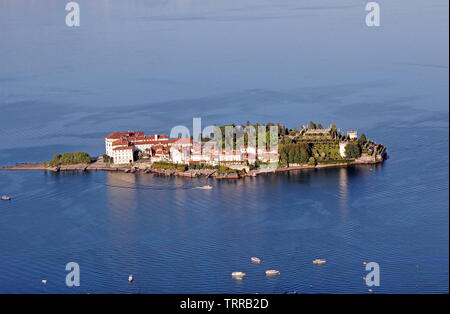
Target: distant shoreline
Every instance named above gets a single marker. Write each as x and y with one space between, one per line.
144 168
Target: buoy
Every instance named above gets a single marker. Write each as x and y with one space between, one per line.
370 290
255 260
44 281
130 278
364 263
238 275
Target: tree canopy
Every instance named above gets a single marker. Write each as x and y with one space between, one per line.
352 150
70 159
294 153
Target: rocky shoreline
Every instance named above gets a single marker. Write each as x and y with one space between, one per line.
145 168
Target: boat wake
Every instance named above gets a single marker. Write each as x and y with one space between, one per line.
157 188
204 187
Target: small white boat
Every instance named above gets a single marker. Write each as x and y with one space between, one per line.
319 261
272 272
130 278
238 275
206 187
6 198
255 260
44 281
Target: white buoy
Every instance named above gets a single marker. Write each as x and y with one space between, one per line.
130 278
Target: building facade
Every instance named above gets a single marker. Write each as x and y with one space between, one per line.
126 147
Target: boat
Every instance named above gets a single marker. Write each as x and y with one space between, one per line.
130 278
44 281
319 261
238 275
6 198
205 187
255 260
272 272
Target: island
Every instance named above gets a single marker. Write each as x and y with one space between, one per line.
229 152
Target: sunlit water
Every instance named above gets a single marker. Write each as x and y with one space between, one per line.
152 65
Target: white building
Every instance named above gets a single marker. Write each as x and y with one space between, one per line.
231 156
179 155
352 134
123 146
342 146
119 139
123 154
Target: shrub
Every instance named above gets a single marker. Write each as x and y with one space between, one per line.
107 159
182 167
312 161
225 170
70 159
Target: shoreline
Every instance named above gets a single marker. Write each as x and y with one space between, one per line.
143 168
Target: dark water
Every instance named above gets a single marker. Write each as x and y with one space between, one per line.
152 65
174 238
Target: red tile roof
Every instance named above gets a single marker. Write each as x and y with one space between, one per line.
118 135
180 141
120 142
123 148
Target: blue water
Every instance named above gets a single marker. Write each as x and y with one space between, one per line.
152 65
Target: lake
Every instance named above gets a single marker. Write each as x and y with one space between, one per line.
152 65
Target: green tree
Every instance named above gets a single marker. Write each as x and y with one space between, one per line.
55 160
107 159
304 153
70 159
312 161
292 155
362 139
312 125
352 150
283 152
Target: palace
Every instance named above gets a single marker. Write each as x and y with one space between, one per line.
127 147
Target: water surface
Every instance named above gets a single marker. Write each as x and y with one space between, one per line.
152 65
